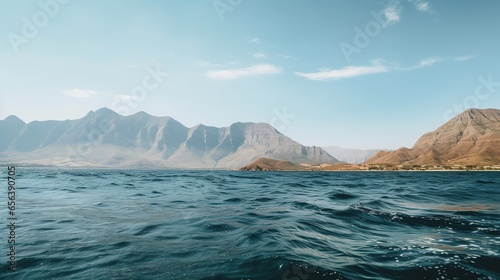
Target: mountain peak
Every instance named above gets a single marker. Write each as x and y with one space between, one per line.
13 119
471 138
142 114
474 113
105 111
259 125
102 113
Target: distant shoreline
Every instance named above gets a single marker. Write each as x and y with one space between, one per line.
239 170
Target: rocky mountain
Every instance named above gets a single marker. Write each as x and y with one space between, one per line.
471 138
354 156
104 138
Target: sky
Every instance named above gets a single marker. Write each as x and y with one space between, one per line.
356 74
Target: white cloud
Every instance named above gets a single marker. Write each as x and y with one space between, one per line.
427 62
393 13
422 6
377 66
423 63
79 93
465 57
253 40
346 72
259 55
230 74
433 60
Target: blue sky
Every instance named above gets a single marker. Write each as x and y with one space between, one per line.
358 74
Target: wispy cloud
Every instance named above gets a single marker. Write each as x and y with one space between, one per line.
254 40
433 60
231 74
259 55
346 72
423 6
79 93
423 63
393 12
377 66
429 61
465 57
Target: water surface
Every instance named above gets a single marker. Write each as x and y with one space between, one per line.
155 224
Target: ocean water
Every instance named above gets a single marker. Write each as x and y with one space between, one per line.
156 224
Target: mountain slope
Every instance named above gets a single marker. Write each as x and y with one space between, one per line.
471 138
104 138
265 164
10 127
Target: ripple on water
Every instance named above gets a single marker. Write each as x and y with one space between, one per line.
341 195
81 224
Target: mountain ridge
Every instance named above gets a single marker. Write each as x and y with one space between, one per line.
106 139
470 138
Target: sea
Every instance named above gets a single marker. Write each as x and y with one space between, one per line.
199 224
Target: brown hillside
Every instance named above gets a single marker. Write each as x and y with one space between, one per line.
471 138
272 165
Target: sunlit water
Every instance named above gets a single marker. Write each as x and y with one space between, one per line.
144 224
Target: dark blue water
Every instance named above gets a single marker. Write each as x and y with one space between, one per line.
127 224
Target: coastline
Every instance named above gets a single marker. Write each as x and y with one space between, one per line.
496 169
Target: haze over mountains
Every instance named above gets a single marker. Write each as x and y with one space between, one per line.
471 138
354 156
104 138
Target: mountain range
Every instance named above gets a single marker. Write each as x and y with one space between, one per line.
470 138
106 139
